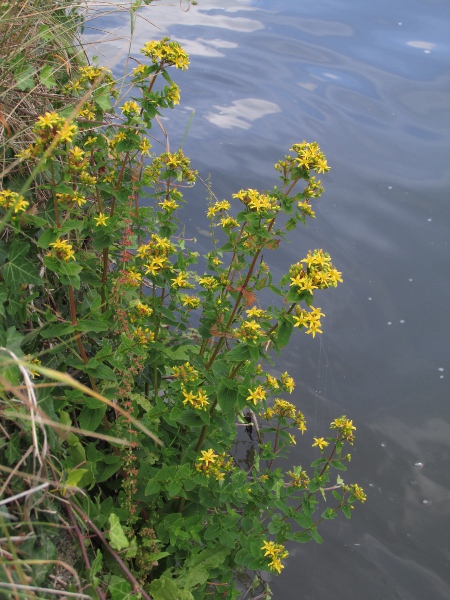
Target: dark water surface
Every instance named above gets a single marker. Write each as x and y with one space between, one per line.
369 81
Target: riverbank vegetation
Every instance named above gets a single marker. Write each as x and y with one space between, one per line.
129 364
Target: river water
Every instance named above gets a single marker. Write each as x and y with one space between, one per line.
370 82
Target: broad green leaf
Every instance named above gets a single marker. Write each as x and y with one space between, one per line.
164 588
46 77
20 270
227 394
284 332
238 353
120 589
74 476
117 538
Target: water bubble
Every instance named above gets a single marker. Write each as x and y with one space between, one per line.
441 377
409 279
440 368
402 320
389 322
429 220
371 485
389 187
369 298
426 51
425 501
383 445
418 464
400 23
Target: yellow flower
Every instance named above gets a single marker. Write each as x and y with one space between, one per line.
49 119
169 205
287 382
145 147
320 443
100 219
256 395
180 281
358 492
13 200
190 301
208 457
67 132
130 108
61 249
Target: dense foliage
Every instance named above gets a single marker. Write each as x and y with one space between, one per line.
129 363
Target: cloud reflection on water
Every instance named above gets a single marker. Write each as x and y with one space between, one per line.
241 113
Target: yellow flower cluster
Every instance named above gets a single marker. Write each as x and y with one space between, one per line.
76 198
214 465
155 254
190 301
181 281
272 383
172 161
185 372
358 492
299 480
260 203
143 336
218 207
88 111
250 331
305 208
284 409
310 319
173 94
89 75
13 200
61 249
197 400
131 108
256 312
309 156
228 222
256 395
208 282
50 128
168 204
276 552
165 52
318 272
131 277
143 310
287 382
346 428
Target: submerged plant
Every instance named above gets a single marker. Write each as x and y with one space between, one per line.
158 361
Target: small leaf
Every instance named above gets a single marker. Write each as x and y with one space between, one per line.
117 538
46 77
74 476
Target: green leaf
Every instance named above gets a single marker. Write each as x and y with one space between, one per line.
19 270
90 418
46 77
163 588
96 326
152 487
227 394
24 77
347 510
102 98
12 452
74 476
238 353
120 589
117 538
99 370
284 332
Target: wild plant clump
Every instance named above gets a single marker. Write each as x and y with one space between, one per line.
130 364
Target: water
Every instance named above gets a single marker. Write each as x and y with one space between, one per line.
370 82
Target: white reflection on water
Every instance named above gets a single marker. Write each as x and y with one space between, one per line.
204 47
242 113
